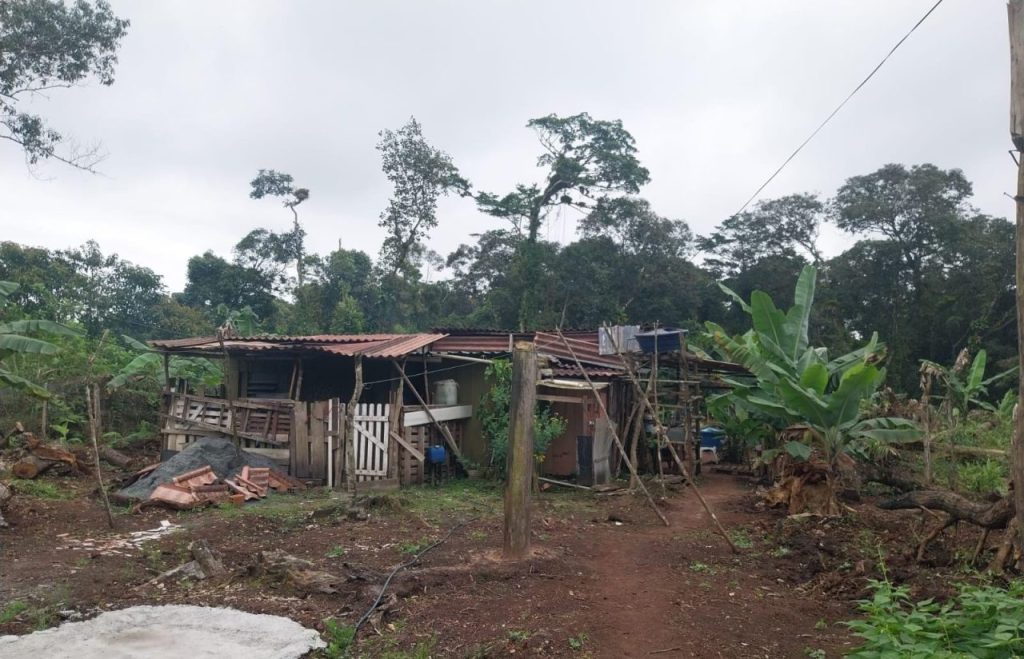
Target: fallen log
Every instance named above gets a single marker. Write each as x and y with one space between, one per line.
31 467
988 516
115 457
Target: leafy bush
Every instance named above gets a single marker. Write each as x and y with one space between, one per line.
496 409
984 476
981 621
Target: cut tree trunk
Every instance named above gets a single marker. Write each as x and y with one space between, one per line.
115 457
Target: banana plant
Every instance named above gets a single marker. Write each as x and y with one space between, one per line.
794 383
148 364
965 386
13 342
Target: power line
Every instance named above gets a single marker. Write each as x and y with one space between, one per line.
839 107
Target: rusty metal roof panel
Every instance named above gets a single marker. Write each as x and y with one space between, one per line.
381 346
587 351
394 346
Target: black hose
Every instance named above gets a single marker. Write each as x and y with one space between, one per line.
412 561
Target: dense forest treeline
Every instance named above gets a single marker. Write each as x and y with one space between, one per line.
926 269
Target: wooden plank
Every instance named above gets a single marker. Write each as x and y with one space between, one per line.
279 455
300 444
407 446
380 485
423 417
561 399
318 439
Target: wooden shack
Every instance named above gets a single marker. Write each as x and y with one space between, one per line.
297 400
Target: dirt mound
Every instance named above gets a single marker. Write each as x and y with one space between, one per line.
221 454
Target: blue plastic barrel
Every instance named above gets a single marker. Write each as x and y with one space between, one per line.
712 437
437 454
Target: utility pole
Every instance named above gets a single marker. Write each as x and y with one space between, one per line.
1015 12
520 451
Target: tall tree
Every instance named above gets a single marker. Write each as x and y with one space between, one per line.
916 219
586 159
420 175
916 208
785 228
46 45
269 182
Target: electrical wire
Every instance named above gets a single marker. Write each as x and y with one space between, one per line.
838 107
429 372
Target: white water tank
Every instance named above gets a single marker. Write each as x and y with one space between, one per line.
446 392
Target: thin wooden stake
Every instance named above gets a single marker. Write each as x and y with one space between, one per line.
611 428
92 407
350 426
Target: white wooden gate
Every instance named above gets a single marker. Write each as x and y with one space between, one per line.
372 427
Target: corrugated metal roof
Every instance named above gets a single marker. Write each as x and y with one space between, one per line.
395 346
584 344
379 346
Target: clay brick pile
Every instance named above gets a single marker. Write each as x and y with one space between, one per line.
201 487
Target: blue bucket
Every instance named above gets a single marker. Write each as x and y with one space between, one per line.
437 454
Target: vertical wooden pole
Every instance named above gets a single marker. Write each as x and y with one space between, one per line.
690 456
1015 12
350 426
92 406
44 422
520 451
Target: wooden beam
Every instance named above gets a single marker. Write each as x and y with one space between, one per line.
413 451
519 479
551 398
426 408
422 418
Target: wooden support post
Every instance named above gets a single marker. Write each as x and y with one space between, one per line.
519 479
395 423
350 426
672 450
688 448
614 432
447 434
1015 13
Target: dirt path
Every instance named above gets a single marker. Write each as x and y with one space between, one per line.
679 592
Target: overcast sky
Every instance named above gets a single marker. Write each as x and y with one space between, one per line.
716 94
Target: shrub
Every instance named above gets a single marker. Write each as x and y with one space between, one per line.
981 621
495 415
984 476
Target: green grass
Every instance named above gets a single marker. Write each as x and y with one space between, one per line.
337 551
578 641
455 498
415 546
703 568
12 611
294 507
741 539
39 489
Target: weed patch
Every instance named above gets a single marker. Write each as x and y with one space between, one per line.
39 489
